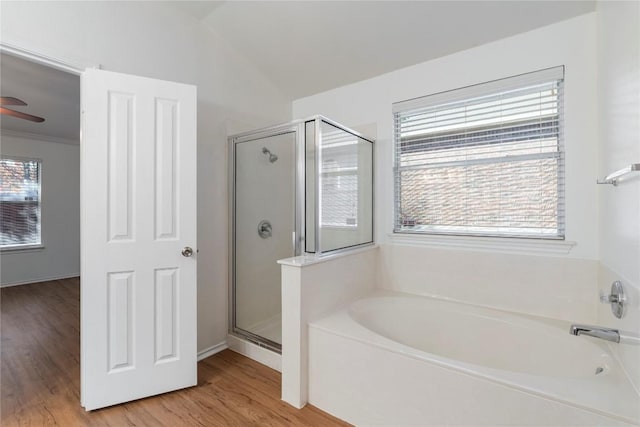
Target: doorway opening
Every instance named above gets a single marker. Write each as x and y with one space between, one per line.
40 233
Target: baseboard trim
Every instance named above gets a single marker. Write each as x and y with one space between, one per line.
48 279
210 351
260 354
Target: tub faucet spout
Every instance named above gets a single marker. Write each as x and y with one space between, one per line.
607 334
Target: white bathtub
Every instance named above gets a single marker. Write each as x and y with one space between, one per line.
397 359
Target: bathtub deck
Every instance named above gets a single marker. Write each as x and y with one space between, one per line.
609 399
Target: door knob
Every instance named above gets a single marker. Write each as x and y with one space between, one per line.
187 252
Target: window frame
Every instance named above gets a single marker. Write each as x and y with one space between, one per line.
466 233
18 247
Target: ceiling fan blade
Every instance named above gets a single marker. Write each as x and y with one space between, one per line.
20 115
10 100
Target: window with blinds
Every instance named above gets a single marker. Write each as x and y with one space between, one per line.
484 160
19 202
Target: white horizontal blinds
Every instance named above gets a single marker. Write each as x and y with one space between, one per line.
19 202
339 178
490 164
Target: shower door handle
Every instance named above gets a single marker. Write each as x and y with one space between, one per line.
293 241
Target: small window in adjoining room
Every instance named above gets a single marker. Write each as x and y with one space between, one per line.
19 202
484 160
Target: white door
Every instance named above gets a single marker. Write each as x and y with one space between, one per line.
138 214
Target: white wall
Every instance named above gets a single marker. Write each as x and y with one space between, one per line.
556 287
570 43
153 40
493 278
60 207
619 111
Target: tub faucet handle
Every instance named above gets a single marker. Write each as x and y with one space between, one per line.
616 298
608 299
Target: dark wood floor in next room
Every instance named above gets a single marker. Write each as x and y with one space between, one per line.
40 375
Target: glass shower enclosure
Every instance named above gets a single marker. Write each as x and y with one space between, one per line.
302 187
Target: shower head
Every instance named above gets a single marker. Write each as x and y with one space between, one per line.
272 157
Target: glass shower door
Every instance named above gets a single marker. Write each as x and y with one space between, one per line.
264 224
339 187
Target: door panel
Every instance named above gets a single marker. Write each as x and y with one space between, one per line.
166 293
119 322
138 211
166 209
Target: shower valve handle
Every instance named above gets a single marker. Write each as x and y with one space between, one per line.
616 298
264 229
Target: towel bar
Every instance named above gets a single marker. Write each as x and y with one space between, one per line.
613 178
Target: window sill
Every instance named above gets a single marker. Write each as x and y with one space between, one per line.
22 248
508 245
340 227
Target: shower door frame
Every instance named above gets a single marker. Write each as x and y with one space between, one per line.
299 200
317 202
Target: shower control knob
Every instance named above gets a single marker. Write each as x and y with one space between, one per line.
264 229
187 252
616 298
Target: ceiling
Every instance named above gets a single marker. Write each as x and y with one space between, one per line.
306 47
49 93
303 47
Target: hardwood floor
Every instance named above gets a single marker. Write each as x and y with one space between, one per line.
40 375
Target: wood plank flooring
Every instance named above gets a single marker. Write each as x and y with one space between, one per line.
40 375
